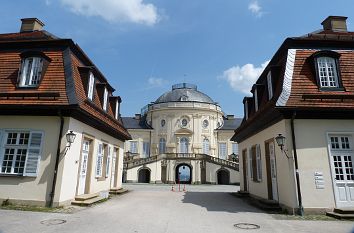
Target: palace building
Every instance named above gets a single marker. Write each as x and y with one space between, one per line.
183 137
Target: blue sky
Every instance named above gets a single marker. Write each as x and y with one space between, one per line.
145 46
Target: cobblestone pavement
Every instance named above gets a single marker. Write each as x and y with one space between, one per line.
156 209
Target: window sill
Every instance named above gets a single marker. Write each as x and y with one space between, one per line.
339 89
10 175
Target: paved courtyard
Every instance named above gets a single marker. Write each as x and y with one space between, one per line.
155 209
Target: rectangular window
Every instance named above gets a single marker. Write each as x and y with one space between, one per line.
91 86
146 149
327 72
255 100
99 160
134 147
105 99
235 148
20 154
116 113
222 150
270 85
31 71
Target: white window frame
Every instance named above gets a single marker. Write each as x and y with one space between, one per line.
234 148
162 146
33 151
134 147
222 151
99 160
270 85
146 149
91 86
31 71
105 99
206 146
108 161
326 80
116 113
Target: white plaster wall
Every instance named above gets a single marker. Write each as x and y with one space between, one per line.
285 167
69 164
313 156
211 174
155 172
33 189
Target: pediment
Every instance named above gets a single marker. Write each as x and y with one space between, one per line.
183 132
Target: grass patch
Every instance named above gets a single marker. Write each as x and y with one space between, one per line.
31 208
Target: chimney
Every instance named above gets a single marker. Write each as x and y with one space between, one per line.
335 23
31 24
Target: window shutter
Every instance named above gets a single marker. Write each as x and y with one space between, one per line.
108 161
254 163
99 160
20 71
33 154
250 163
259 163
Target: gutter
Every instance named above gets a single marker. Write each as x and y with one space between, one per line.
52 193
298 189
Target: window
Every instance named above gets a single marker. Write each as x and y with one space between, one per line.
205 124
246 109
30 72
206 146
116 113
184 122
163 122
105 99
327 72
270 85
162 146
235 148
134 147
99 161
108 161
91 85
20 154
222 150
256 163
255 100
184 98
146 149
184 142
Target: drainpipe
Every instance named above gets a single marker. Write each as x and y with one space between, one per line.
52 193
301 209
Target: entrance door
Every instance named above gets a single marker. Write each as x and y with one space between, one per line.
83 167
341 159
184 145
114 166
273 171
223 177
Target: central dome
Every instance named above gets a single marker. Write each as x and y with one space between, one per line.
183 92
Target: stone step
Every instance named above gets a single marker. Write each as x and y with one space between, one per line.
117 191
344 210
87 202
84 197
340 216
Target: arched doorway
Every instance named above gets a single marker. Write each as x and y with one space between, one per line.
144 175
184 145
183 174
223 176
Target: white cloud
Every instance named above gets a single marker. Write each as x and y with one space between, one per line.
255 8
135 11
242 78
156 82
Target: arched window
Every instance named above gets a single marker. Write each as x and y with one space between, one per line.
162 146
184 145
206 146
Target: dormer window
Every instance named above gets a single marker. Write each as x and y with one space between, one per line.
246 109
270 85
255 99
116 112
30 72
91 86
105 99
327 70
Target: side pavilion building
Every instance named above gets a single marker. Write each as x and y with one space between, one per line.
181 137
